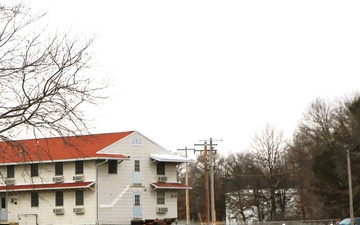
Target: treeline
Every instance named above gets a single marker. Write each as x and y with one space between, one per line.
303 178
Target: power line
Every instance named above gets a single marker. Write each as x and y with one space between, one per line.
285 172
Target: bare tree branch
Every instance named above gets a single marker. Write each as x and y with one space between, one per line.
44 80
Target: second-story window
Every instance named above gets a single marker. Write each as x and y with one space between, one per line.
34 170
79 197
79 167
59 198
112 166
160 197
59 169
160 168
10 171
34 199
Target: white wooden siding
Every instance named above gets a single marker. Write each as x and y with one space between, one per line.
47 172
44 212
115 190
125 179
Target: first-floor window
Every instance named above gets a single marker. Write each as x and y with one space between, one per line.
137 201
79 197
34 199
59 198
3 203
160 197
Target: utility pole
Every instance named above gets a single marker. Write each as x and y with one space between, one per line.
187 202
212 191
206 183
350 187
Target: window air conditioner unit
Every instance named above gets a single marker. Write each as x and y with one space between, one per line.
161 178
10 181
58 211
58 179
78 178
79 210
161 209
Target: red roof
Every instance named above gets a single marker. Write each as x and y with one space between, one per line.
161 185
60 148
51 186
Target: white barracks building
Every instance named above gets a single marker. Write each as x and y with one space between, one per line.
115 178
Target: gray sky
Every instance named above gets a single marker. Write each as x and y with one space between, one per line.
185 71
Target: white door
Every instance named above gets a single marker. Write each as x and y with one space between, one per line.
137 205
137 171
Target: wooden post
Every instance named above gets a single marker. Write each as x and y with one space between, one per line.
187 194
187 190
200 219
206 184
350 188
212 191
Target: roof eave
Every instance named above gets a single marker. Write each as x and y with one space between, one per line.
170 158
68 160
42 187
156 187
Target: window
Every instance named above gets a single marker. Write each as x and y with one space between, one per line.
3 203
136 141
10 171
34 199
137 200
59 169
79 167
160 168
59 198
112 166
79 197
34 170
137 165
161 197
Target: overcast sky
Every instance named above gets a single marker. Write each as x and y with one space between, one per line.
185 71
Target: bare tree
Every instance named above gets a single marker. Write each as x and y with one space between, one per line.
300 153
268 149
43 78
318 122
245 199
